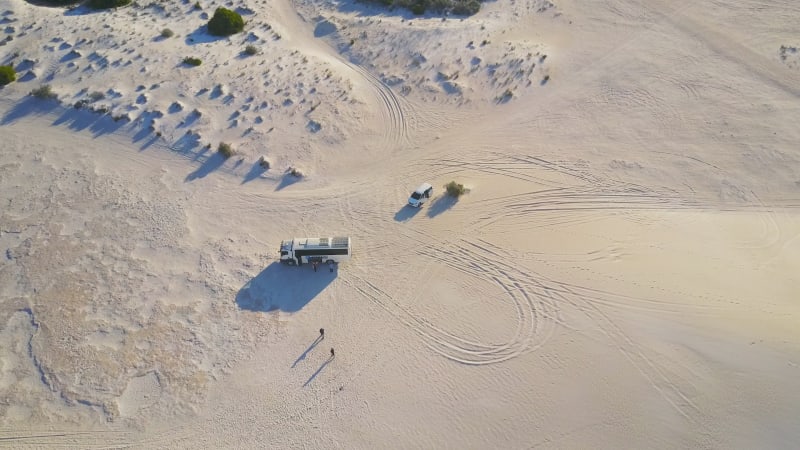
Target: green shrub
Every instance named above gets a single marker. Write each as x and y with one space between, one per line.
418 8
107 4
454 189
167 33
225 22
191 61
7 75
59 2
44 92
251 50
466 8
225 150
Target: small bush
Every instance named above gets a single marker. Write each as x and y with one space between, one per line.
107 4
197 5
7 75
251 50
225 22
466 8
97 96
295 172
225 150
167 33
454 189
191 61
44 92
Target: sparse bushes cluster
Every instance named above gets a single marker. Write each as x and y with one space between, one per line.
44 92
192 61
454 189
419 7
225 22
107 4
7 75
225 150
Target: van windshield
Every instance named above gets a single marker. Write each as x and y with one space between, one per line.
416 195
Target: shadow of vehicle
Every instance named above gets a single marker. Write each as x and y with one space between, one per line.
282 288
405 213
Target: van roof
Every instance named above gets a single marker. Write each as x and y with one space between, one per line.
423 187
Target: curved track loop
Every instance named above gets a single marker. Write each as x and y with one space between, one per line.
536 315
393 109
588 301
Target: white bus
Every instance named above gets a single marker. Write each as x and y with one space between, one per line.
329 250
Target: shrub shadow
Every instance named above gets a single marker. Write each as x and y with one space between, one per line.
287 180
441 204
283 288
405 213
96 122
255 171
211 164
202 36
29 106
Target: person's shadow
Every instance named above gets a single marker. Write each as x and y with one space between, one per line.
310 347
327 361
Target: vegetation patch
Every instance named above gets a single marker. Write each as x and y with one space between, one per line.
225 22
7 75
44 92
167 33
444 7
251 50
454 189
107 4
192 61
225 150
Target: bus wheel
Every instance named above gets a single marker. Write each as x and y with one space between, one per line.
291 262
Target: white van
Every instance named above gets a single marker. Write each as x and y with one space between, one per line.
421 195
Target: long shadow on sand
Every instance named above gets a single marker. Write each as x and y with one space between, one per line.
287 180
440 205
96 122
283 288
255 171
29 106
211 164
310 379
405 213
308 350
201 36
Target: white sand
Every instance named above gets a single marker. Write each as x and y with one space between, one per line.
623 272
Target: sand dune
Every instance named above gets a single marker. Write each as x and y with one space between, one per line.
621 273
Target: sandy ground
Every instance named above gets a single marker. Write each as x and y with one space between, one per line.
622 273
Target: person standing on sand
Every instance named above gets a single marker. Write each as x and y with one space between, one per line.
322 333
332 353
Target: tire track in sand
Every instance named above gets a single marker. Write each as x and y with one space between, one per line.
535 314
394 113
